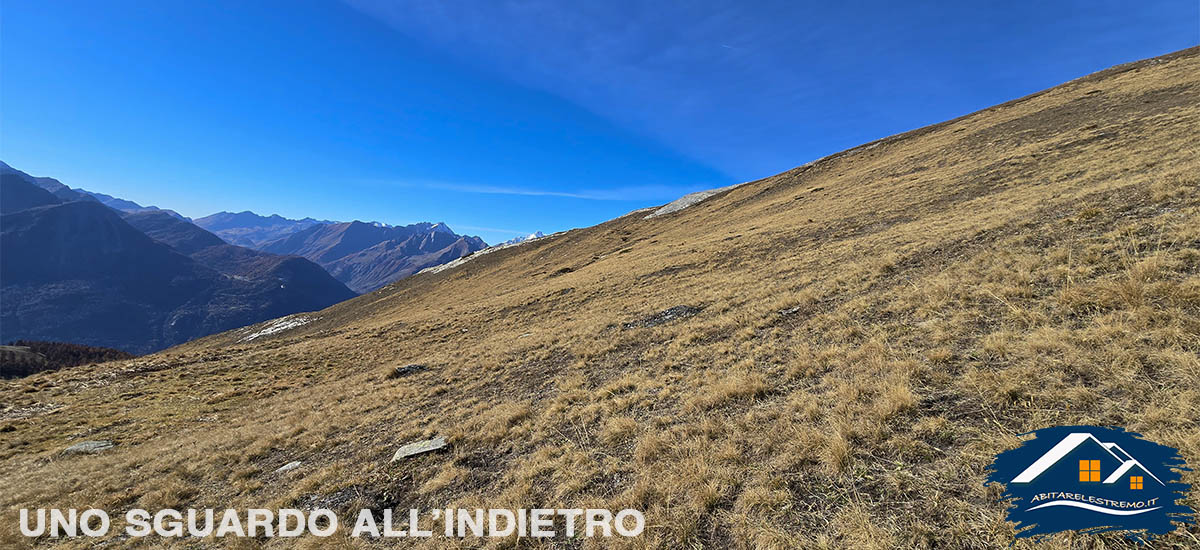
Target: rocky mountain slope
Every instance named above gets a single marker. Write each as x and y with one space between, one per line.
367 256
826 358
77 271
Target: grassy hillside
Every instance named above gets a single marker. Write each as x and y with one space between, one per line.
871 329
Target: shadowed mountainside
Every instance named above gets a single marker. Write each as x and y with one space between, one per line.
78 272
67 194
826 358
61 192
305 286
16 194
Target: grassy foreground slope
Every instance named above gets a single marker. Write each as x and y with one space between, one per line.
873 328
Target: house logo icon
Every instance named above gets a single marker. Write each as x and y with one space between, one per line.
1092 479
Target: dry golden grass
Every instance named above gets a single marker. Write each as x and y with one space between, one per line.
875 327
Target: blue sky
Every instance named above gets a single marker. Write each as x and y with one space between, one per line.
504 117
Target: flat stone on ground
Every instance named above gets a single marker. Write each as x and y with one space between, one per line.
289 466
88 447
420 447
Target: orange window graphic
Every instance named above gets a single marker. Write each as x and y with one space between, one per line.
1135 482
1089 470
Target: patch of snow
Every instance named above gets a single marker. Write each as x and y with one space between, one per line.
279 325
690 199
459 261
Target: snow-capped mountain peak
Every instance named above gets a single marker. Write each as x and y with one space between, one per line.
529 237
441 227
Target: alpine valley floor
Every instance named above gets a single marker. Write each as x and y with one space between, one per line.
862 335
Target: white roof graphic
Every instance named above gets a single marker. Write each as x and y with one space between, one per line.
1068 444
1113 447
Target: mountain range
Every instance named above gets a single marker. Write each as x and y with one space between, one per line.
75 270
218 272
367 256
363 255
252 230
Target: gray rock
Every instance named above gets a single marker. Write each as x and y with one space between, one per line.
420 447
90 447
663 317
791 310
407 370
289 466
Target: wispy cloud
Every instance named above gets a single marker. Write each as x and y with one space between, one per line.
754 88
710 79
636 193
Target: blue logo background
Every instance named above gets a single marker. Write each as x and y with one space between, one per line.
1092 479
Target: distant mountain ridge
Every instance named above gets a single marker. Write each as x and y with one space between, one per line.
220 265
523 238
75 270
363 255
232 260
253 230
367 256
60 190
128 206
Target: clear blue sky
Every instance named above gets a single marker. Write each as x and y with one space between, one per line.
509 117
